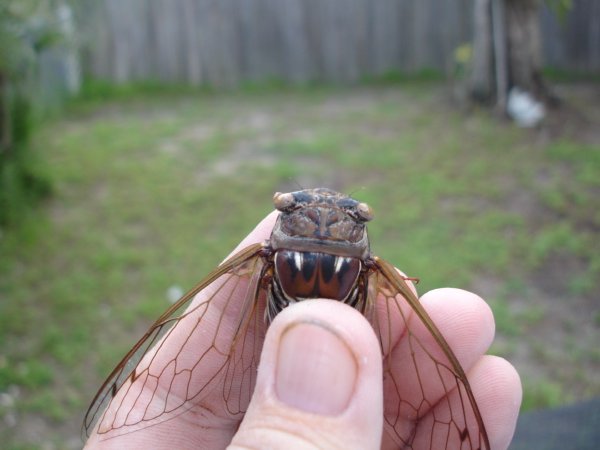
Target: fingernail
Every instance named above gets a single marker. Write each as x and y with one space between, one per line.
316 370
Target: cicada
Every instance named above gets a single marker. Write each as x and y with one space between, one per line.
203 352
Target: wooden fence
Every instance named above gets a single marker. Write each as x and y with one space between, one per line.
224 42
575 44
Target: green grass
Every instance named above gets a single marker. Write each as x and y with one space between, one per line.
542 394
153 191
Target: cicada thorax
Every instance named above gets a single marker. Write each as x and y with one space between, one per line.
319 246
302 275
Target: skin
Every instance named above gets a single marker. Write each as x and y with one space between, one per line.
319 381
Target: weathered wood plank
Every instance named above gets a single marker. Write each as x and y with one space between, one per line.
224 42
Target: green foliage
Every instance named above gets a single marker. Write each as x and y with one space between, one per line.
560 8
425 75
22 182
47 405
30 374
554 74
506 321
99 91
540 394
26 29
23 447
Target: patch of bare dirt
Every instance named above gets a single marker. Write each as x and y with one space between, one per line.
576 116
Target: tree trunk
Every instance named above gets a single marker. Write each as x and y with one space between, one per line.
482 78
524 46
507 50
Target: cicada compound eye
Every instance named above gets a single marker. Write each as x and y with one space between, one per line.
364 211
283 201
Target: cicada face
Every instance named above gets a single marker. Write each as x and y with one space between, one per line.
321 220
202 353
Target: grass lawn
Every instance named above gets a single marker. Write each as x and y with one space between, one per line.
153 191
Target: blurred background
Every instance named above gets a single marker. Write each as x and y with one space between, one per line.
140 140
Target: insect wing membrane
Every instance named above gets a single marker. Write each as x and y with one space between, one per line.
203 351
428 400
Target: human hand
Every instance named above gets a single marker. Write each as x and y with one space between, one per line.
320 385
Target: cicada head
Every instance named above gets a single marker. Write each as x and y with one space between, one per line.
321 220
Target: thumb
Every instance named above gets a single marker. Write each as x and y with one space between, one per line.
319 382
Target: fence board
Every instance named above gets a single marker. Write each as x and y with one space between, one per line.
224 42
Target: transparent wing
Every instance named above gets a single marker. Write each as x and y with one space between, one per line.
202 352
428 400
